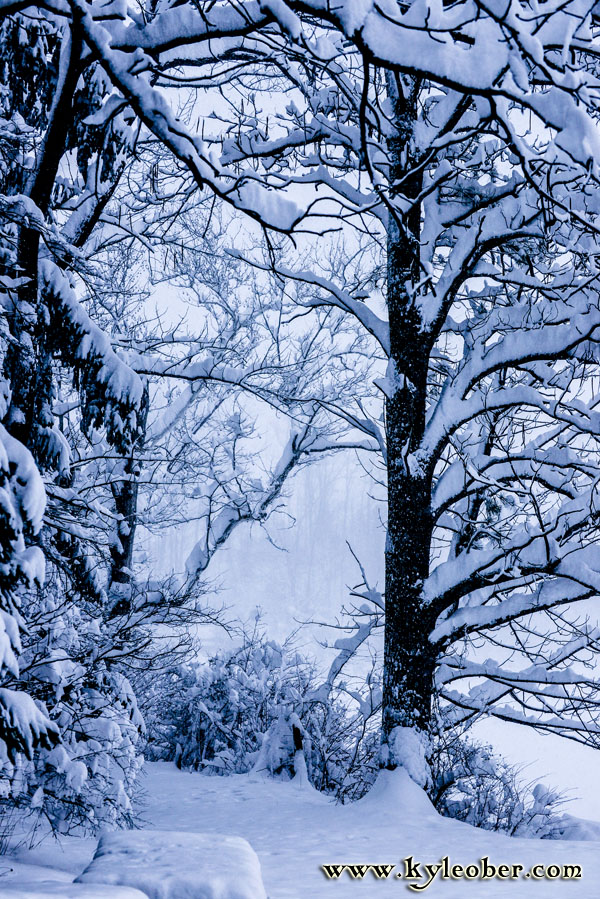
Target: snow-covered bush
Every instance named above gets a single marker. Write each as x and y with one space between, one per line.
259 707
256 707
87 779
221 715
24 723
474 784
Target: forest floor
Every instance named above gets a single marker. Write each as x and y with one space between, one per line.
295 830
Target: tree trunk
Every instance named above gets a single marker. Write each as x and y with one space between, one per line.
28 363
409 661
125 494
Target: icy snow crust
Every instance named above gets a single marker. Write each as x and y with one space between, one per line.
172 865
294 830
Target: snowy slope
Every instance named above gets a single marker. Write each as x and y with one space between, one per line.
295 830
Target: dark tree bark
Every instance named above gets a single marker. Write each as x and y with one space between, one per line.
28 363
409 660
125 493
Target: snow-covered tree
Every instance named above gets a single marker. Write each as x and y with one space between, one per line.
459 142
24 724
59 169
462 139
488 273
82 364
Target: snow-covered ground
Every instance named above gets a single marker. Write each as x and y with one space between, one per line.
295 830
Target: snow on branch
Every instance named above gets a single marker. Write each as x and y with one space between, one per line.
113 392
23 725
246 191
234 509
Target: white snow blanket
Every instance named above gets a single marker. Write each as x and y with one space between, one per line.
52 889
172 865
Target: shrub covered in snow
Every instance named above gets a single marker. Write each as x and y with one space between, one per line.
86 779
257 707
24 723
474 784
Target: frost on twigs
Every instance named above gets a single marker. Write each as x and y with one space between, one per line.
472 783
